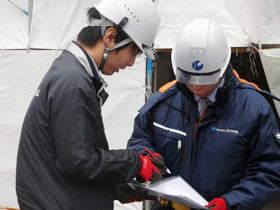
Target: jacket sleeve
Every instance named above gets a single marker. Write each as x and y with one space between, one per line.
78 132
143 133
261 180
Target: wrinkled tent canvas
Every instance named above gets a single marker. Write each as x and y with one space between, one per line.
29 44
271 63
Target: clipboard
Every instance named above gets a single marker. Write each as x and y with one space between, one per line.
175 189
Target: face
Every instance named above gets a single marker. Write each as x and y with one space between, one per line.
203 90
120 59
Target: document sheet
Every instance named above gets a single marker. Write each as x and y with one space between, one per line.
177 190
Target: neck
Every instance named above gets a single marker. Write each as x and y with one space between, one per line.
96 51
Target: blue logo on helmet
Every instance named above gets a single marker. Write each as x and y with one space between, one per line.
196 66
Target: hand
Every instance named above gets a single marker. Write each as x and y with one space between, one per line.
125 194
158 161
218 204
148 170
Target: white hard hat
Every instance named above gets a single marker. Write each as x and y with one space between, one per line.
201 53
139 19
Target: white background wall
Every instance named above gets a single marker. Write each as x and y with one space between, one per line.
54 23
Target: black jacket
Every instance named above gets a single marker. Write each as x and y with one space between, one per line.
63 158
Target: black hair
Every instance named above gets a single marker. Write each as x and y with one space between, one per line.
89 35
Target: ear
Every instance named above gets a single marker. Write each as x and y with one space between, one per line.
110 37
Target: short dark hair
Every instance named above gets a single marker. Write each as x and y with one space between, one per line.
89 35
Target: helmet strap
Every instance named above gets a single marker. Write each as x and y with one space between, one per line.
104 58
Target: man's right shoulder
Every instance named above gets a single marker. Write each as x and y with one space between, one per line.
167 86
162 94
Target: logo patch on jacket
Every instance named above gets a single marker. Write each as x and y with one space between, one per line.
225 130
37 92
277 136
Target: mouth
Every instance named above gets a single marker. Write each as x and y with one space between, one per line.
201 95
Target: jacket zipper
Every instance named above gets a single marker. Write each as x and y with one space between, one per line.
194 132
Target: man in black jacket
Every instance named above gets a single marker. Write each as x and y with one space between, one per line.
64 161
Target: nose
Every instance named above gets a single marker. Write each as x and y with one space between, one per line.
131 61
194 87
197 87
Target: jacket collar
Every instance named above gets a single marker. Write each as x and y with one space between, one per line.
84 58
78 52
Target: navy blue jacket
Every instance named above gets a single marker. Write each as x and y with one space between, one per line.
233 151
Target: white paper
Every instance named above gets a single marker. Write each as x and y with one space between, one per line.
177 190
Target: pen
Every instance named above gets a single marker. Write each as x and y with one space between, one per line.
211 207
152 155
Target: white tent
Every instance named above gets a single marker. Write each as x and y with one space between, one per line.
30 43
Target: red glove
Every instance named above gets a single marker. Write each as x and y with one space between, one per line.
148 169
218 204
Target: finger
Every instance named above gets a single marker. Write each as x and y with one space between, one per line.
140 179
157 162
160 157
157 175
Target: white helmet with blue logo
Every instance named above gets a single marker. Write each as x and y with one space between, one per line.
201 53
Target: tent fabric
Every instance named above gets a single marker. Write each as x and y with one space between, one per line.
262 18
13 25
227 14
271 64
243 21
53 27
126 96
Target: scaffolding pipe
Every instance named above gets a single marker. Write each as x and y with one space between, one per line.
149 77
18 7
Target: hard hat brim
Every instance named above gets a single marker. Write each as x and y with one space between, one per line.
187 78
148 51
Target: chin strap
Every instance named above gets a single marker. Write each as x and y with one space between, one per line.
104 58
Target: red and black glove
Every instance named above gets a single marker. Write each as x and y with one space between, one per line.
158 161
217 204
125 194
148 170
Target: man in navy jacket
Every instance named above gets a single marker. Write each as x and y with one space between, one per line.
212 128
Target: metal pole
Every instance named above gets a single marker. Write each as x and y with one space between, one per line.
18 7
30 10
149 77
147 203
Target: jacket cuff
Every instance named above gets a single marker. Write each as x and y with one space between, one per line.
231 201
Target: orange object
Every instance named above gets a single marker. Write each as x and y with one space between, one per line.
168 85
7 208
245 81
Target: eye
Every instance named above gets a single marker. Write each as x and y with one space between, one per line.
135 52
